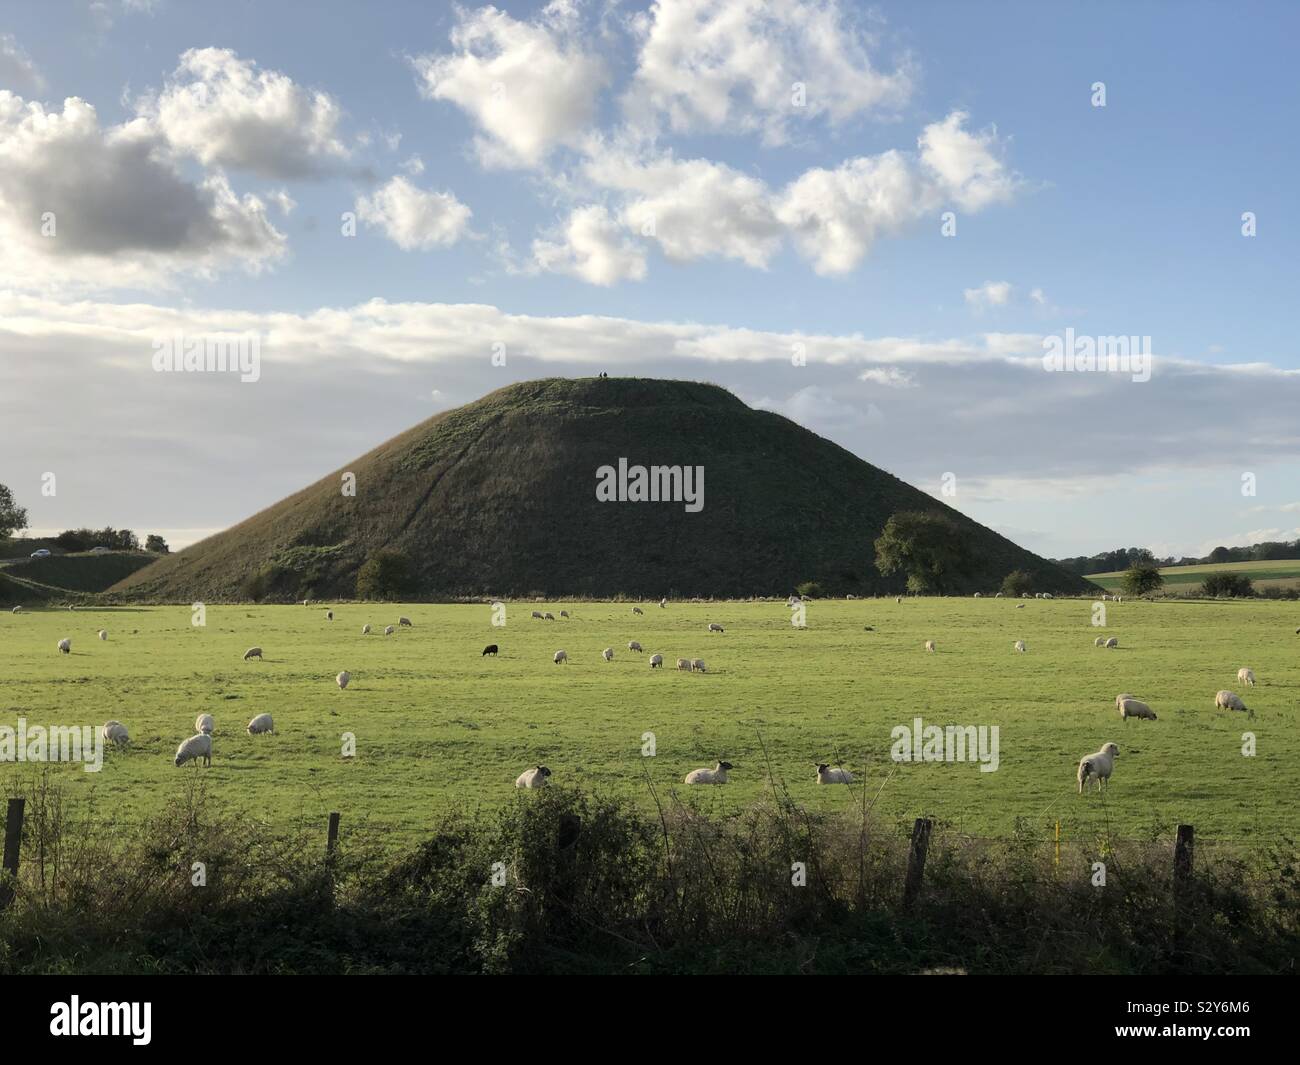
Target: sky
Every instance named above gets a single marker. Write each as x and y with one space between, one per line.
873 219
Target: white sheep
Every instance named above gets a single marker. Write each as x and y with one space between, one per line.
253 652
65 645
1246 676
607 654
978 595
827 775
1112 642
365 630
194 748
1104 597
17 610
405 623
717 775
1227 700
697 665
1131 707
389 630
1099 641
715 627
1097 766
1047 595
1119 699
684 663
342 679
329 615
997 595
637 610
204 723
1020 646
561 656
656 660
533 778
1020 606
663 603
260 724
103 634
929 645
115 732
632 645
1118 599
898 599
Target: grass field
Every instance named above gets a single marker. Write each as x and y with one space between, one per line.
438 726
1281 573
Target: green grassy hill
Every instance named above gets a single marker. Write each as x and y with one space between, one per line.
41 579
499 498
1283 573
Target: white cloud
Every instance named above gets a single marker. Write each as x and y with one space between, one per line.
1038 297
593 247
989 294
17 71
122 213
731 66
225 112
413 218
967 166
888 377
528 85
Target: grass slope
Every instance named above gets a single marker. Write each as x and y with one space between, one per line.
81 572
1278 573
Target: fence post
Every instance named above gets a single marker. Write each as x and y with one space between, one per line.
333 838
916 860
13 846
1183 852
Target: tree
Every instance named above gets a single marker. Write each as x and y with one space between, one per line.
1141 578
809 590
927 548
386 575
154 542
13 518
1016 583
1231 584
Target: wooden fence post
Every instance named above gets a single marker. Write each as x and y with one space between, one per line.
916 860
1183 852
13 847
333 839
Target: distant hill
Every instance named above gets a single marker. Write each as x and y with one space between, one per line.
25 579
1282 574
499 498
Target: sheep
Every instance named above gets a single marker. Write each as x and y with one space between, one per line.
717 775
1227 700
1118 599
103 634
329 615
929 645
978 595
365 630
663 603
1020 606
564 613
548 616
261 723
115 732
827 775
1099 641
637 610
537 614
389 630
698 665
490 649
898 599
632 645
1112 642
1119 699
656 661
1020 646
1131 707
253 652
715 627
607 654
204 723
405 623
561 656
1047 595
65 646
533 778
1104 597
684 663
342 679
17 610
1246 676
194 748
1038 595
1097 766
997 595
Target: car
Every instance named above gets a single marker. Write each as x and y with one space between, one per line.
99 550
44 552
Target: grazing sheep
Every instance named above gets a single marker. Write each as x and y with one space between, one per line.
663 603
389 630
684 663
1119 699
490 649
1047 595
698 665
329 615
1097 766
1136 708
405 623
827 775
1104 597
365 630
65 645
632 645
637 610
194 748
533 778
342 679
548 616
715 627
978 595
204 723
253 652
1020 646
1246 676
607 654
537 614
561 656
998 595
306 602
1112 642
868 628
564 613
1020 606
929 645
1227 700
261 723
899 599
103 634
115 732
717 775
656 660
1099 641
1118 599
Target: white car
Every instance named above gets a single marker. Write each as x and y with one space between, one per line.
44 552
99 550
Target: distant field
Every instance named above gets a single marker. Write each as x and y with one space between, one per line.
439 727
79 572
1277 574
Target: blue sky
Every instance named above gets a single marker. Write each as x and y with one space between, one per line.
1117 220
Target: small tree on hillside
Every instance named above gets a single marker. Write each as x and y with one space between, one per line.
13 518
927 548
1017 583
1141 579
386 575
809 590
154 542
1232 584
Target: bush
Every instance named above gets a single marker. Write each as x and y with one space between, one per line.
386 575
1142 579
1227 584
809 590
156 544
1017 583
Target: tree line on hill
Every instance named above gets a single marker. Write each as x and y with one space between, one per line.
1124 557
13 520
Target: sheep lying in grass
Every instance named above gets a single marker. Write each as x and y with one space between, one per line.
1246 676
1131 707
607 654
1097 766
827 775
632 645
1226 700
929 645
697 666
253 652
716 775
260 724
204 723
342 679
65 646
561 656
194 748
115 733
1020 646
533 778
656 660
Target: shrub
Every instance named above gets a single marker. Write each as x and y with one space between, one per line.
809 590
1142 579
1017 583
386 575
1227 584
